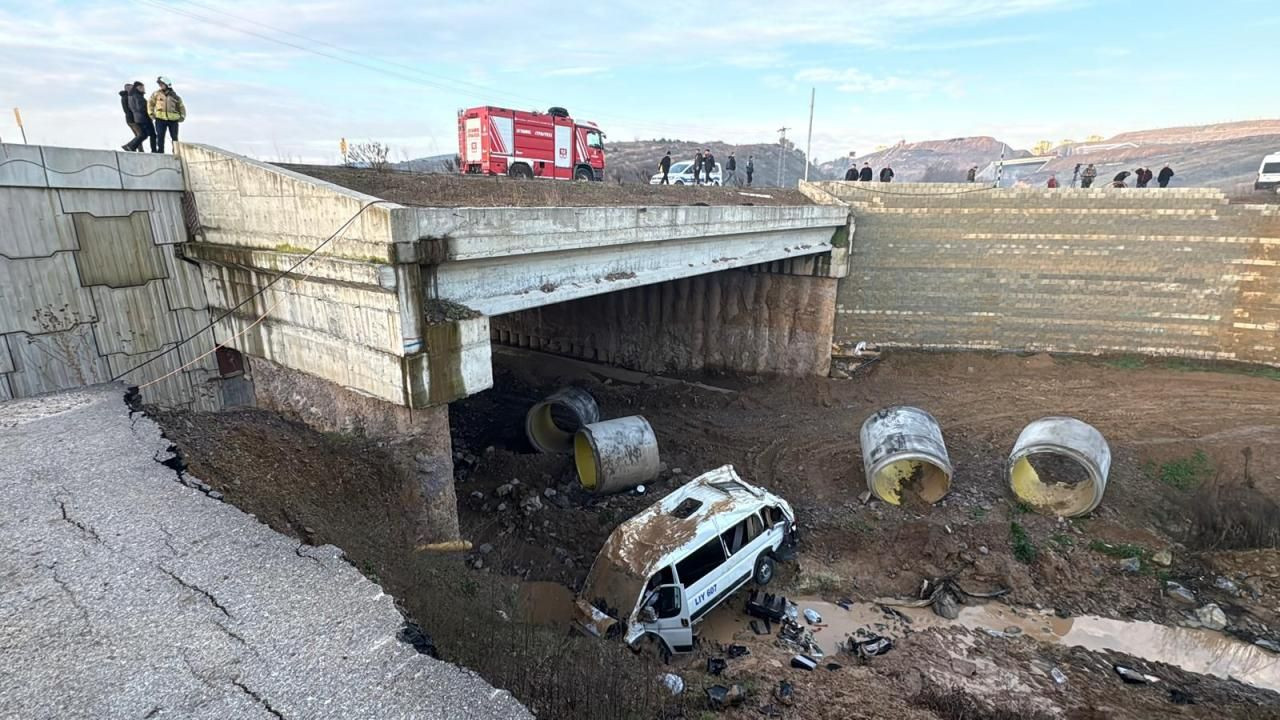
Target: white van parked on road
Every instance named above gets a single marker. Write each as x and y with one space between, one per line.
682 174
660 572
1268 173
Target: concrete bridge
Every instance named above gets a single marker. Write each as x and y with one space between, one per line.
364 311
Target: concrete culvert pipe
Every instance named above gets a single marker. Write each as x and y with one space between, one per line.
551 424
1059 465
616 455
904 457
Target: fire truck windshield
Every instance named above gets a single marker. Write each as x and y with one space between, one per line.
595 140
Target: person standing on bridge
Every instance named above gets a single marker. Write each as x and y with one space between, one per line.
866 174
665 166
697 167
973 174
751 168
166 108
1087 177
852 173
1166 174
1053 181
708 165
730 170
143 129
886 174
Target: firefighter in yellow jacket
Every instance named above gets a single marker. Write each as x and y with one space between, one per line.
166 108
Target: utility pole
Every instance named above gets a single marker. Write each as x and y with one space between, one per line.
18 116
782 148
808 143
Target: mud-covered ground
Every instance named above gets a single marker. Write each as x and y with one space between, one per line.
448 190
1190 449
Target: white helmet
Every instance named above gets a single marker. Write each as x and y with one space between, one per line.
164 80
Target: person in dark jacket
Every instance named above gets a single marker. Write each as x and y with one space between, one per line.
1166 174
697 167
143 128
665 166
973 174
708 165
731 170
1119 180
1141 177
751 168
1087 177
866 174
851 173
128 114
886 174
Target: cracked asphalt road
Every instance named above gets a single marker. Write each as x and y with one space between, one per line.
126 594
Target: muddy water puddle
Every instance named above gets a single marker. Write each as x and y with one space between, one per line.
1196 650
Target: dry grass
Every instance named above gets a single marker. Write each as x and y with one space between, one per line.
1234 515
953 703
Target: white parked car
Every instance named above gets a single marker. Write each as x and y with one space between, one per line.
660 572
1268 173
682 174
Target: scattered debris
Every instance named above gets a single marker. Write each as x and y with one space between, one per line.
811 616
833 666
1131 565
1267 645
1164 558
715 666
736 651
1212 617
1179 593
870 647
767 606
1059 677
794 636
784 693
755 628
673 683
943 594
803 662
1133 677
1226 585
721 697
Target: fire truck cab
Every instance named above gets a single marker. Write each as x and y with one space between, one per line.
521 144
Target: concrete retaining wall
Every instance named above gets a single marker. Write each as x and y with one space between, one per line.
1175 272
735 320
92 281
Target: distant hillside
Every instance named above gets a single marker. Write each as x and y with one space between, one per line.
1201 133
630 162
1229 164
930 160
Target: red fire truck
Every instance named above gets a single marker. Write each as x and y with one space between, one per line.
498 141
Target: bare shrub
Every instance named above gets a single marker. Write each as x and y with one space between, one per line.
953 703
372 154
1232 514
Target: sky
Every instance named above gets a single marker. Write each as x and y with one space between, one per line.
285 80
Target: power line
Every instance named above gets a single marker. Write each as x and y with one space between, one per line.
341 228
364 63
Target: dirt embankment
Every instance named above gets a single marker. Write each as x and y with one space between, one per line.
447 190
1172 433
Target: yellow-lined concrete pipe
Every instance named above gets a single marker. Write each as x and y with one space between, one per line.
616 455
903 454
550 425
1059 466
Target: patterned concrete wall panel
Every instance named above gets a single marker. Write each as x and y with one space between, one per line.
197 354
6 358
167 224
43 295
134 320
5 392
33 224
117 252
100 203
147 171
55 361
185 285
206 170
22 166
78 168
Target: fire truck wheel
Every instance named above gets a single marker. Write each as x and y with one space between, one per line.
583 174
521 171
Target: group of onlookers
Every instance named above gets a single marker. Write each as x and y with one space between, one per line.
866 174
1142 177
703 168
152 118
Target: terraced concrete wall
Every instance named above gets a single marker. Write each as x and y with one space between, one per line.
92 280
1175 272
